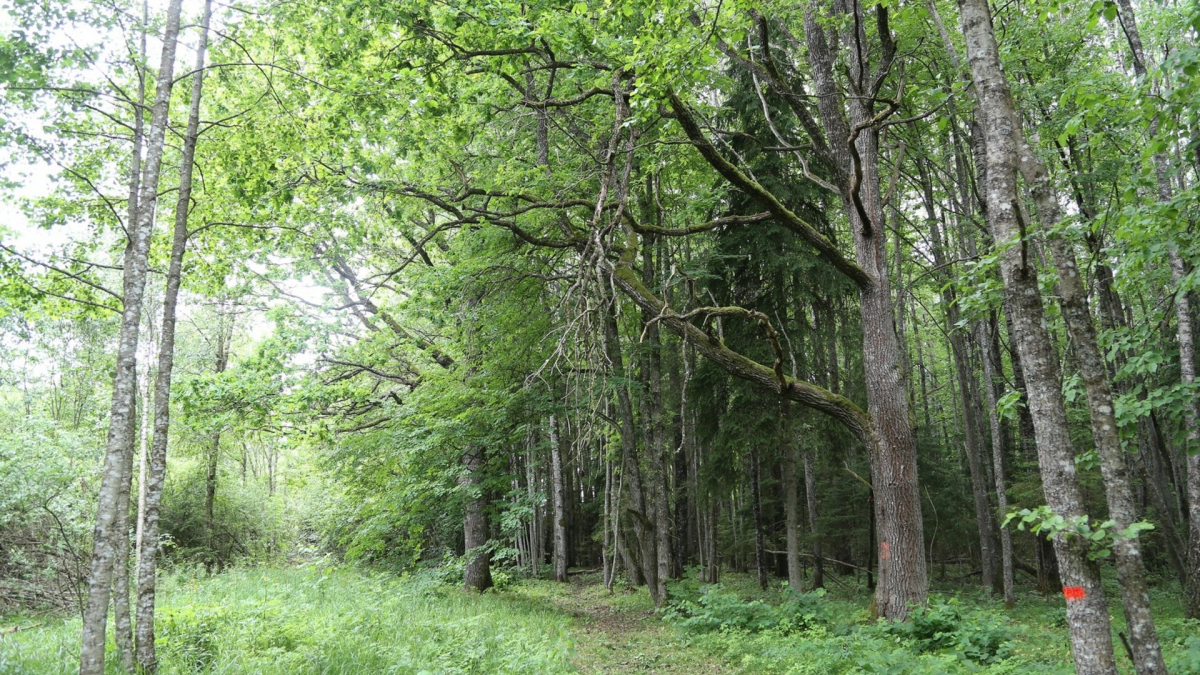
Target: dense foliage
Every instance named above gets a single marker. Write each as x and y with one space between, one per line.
880 295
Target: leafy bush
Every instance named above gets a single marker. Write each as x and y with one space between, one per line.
1187 661
450 570
940 626
933 628
719 610
1184 636
46 510
249 524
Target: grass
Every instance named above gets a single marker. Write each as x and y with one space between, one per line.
329 621
287 621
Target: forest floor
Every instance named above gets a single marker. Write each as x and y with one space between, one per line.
334 620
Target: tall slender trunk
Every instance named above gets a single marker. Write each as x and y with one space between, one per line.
560 515
684 493
760 552
144 450
643 527
1183 327
984 337
791 499
810 495
985 520
120 441
1087 612
657 477
1150 460
535 526
607 559
122 623
156 461
214 456
1131 573
714 554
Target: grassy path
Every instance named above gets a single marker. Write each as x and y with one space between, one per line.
620 633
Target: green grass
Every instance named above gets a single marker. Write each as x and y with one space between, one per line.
329 621
269 621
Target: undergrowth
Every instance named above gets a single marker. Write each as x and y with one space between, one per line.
331 621
293 621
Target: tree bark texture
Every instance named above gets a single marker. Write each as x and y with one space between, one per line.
984 338
122 622
559 498
1087 612
791 504
902 575
1131 573
631 476
120 440
477 574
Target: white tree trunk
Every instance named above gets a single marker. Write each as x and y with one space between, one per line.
120 432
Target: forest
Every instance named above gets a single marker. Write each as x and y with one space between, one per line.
553 336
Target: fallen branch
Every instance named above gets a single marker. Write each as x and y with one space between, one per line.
15 629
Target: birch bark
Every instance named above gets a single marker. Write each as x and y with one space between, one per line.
156 462
120 433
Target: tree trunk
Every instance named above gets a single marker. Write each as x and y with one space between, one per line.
791 503
760 554
810 494
1087 612
657 480
985 520
477 573
120 441
144 451
1184 300
122 623
989 380
560 516
902 580
643 528
683 489
1183 325
607 559
214 456
1131 573
156 463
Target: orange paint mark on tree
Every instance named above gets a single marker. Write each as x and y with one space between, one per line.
885 551
1074 592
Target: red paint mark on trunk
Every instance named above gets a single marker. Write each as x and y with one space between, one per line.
1074 592
885 551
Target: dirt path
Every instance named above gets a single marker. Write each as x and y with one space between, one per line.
614 635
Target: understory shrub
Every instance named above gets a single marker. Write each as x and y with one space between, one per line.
940 626
46 512
249 525
716 609
1183 635
451 568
